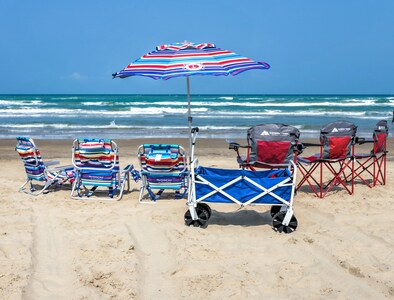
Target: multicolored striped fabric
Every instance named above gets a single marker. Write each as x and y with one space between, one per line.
187 59
37 170
31 158
97 162
163 166
162 158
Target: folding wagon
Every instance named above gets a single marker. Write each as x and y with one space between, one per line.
274 188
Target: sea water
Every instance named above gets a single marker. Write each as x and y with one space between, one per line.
162 116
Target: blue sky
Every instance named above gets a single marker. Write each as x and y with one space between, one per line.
315 47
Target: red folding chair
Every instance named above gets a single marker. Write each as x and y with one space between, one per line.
327 169
270 146
370 168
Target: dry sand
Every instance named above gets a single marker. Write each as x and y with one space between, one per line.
52 247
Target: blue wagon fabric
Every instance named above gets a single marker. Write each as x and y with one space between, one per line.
243 190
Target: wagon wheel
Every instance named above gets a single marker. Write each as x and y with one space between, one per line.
274 210
203 217
206 207
278 220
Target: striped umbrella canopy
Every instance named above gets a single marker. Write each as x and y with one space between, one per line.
188 59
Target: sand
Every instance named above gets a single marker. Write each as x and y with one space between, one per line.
52 247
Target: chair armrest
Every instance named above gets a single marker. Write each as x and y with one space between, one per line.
133 172
128 168
311 145
235 145
63 168
361 140
300 148
51 163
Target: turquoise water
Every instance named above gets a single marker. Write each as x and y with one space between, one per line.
217 116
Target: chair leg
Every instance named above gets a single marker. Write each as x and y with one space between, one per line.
32 192
308 178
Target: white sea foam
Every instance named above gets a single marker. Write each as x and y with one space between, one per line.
161 110
29 110
202 112
66 98
11 126
100 103
21 102
237 116
58 112
348 103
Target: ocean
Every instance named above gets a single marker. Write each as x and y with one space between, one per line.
162 116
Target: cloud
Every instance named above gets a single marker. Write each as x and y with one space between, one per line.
77 76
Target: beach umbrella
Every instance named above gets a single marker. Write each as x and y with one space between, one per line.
188 59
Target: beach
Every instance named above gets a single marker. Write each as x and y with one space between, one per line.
52 247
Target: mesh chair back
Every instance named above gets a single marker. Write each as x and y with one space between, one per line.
272 143
31 158
380 136
337 139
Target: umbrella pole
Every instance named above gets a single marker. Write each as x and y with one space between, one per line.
189 118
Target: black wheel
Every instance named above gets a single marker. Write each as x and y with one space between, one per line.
203 217
274 210
206 207
279 227
188 218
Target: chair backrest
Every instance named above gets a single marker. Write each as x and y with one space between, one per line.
97 160
272 143
31 158
162 157
380 134
337 139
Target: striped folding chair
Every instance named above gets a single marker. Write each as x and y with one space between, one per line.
370 168
163 167
40 176
96 164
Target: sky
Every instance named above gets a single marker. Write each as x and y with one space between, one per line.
313 46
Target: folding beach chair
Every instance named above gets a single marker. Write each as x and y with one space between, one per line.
329 168
243 187
40 176
269 146
163 167
370 168
96 163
